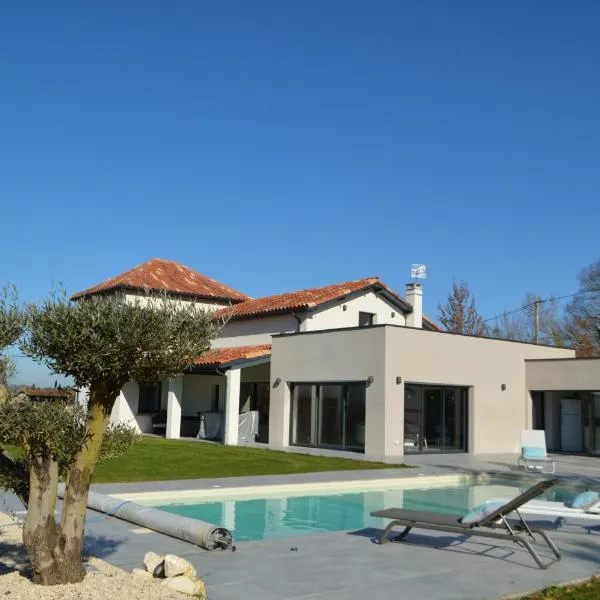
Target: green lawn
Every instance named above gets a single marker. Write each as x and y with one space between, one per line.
590 590
158 459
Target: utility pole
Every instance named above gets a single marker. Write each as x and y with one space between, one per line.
538 301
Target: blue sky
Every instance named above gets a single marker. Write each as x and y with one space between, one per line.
282 145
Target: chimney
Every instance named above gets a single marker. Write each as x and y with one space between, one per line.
414 295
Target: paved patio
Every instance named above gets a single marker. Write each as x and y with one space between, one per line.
348 564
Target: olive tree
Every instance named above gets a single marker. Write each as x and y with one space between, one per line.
102 342
12 322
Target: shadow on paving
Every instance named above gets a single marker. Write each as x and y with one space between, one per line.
459 544
100 546
13 556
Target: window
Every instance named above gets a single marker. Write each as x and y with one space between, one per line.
328 415
366 319
214 401
149 400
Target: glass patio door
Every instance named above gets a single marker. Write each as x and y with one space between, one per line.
435 419
329 416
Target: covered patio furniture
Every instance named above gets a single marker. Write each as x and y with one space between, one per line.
491 523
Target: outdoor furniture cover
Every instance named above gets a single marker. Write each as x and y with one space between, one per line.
493 524
248 425
211 426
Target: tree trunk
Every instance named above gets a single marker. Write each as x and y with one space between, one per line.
41 534
102 398
56 551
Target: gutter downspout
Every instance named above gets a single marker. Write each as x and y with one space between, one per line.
298 320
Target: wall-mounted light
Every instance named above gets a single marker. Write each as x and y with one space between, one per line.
503 387
398 380
344 307
277 382
370 380
393 315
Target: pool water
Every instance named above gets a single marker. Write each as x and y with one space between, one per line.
290 516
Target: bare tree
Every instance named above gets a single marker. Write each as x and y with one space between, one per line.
538 321
459 314
583 313
102 343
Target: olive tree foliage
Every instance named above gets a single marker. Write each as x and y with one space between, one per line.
52 431
101 342
12 323
459 314
582 326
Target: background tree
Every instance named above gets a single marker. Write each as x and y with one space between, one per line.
101 342
583 313
543 324
459 314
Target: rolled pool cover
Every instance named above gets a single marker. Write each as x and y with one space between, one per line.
206 535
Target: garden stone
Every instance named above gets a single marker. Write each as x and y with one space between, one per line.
175 565
152 560
141 574
185 585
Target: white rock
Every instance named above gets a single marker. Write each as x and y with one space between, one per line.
141 574
185 585
175 565
152 560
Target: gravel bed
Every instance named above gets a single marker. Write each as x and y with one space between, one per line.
103 581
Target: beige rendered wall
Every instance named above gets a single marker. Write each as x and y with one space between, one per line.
416 356
496 416
344 355
576 374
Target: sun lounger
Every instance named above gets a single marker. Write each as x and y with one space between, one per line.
493 523
533 451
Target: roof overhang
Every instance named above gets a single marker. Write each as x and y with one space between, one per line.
214 369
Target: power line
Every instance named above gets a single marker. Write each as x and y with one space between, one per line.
539 300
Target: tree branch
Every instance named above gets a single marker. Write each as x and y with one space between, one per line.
15 476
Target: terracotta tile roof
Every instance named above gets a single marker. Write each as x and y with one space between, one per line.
65 394
221 356
303 300
167 275
432 324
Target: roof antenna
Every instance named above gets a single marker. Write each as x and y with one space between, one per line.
418 271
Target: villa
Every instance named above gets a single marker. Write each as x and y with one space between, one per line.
355 367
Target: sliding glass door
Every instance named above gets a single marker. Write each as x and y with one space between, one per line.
328 415
435 419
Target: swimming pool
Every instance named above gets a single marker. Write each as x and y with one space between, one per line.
291 514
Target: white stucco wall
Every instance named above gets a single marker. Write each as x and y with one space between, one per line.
126 407
248 332
336 317
198 393
145 300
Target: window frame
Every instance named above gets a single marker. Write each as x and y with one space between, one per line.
144 387
370 316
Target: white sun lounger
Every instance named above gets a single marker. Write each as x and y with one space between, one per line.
533 451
